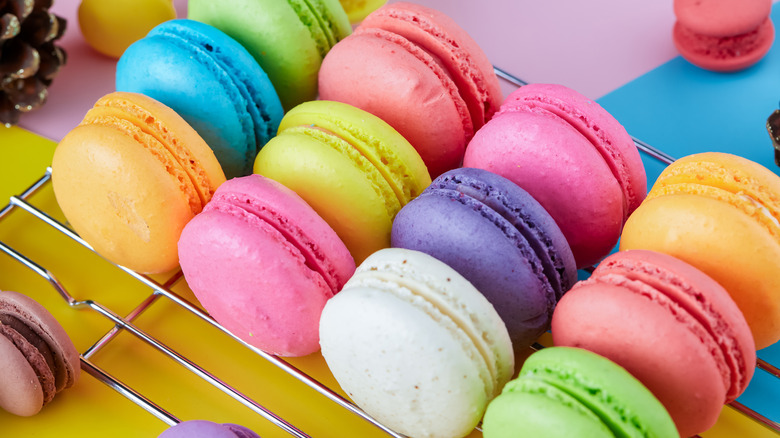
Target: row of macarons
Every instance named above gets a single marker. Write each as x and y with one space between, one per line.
356 172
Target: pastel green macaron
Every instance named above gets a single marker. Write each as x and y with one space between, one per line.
354 169
288 38
571 392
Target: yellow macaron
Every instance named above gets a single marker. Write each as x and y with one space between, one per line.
130 176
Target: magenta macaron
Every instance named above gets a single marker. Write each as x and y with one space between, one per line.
263 263
572 156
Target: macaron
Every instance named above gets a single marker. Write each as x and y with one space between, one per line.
37 358
212 82
416 69
354 169
668 324
720 213
130 176
110 27
263 264
572 156
415 345
207 429
288 39
723 35
566 392
499 238
358 9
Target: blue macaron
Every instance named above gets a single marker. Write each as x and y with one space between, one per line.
212 82
498 237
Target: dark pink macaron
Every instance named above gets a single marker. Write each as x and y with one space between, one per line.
723 35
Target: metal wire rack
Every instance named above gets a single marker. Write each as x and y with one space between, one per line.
163 291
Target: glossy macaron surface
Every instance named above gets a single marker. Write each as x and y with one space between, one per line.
436 385
354 169
130 176
719 212
499 238
638 303
207 429
263 264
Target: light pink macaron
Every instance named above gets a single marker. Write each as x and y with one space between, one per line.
263 263
572 156
670 325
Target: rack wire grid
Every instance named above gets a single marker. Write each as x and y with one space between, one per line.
162 290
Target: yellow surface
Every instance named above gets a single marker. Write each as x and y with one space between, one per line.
91 409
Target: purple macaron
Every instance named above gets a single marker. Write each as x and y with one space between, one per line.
497 236
207 429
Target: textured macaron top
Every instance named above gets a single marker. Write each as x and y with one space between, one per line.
606 134
505 203
722 18
230 61
744 184
386 156
598 385
256 200
451 47
42 341
695 300
411 277
151 124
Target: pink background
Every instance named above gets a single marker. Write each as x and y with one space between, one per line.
592 46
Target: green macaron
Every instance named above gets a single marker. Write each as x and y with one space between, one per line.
571 392
288 38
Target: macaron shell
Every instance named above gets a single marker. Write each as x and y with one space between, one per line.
203 429
723 242
67 367
357 10
21 392
546 411
464 60
722 18
277 38
256 286
724 54
619 399
685 378
530 149
418 99
121 200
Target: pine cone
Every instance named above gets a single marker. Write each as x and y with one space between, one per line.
29 60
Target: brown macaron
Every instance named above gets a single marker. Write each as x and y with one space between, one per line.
37 358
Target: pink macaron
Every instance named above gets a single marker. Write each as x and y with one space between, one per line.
572 156
263 263
723 35
416 69
670 325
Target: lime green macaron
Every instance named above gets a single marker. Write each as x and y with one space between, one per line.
353 168
288 38
571 392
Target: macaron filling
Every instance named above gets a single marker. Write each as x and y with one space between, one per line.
253 209
560 274
35 357
443 309
686 304
150 132
596 135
